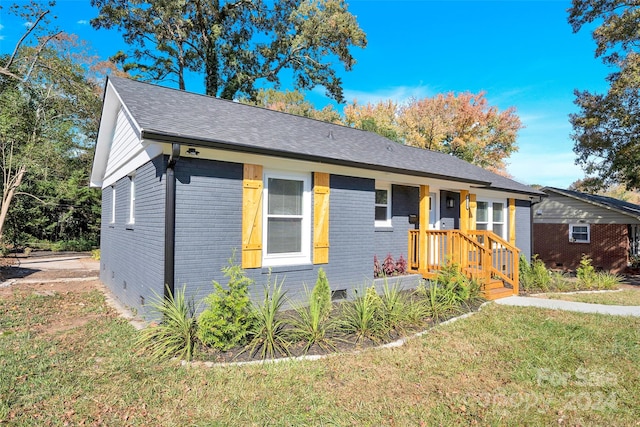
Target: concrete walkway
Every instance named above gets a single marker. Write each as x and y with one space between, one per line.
582 307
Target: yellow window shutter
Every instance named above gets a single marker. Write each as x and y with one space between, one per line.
252 216
320 218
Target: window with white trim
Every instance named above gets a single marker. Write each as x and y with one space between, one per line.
287 218
383 205
132 199
113 204
579 233
491 216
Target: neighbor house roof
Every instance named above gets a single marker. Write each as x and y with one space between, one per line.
620 206
171 115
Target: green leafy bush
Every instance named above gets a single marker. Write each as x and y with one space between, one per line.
76 245
95 254
586 273
227 320
534 276
452 278
268 333
176 334
439 301
396 308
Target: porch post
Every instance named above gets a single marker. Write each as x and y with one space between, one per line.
512 221
473 207
464 211
423 222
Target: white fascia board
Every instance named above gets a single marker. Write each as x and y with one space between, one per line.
112 103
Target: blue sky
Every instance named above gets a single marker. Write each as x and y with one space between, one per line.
521 53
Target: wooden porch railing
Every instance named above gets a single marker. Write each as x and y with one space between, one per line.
482 255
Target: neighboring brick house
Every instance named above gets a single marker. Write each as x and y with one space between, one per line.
569 224
188 179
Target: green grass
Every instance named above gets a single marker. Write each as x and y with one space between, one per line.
502 366
624 297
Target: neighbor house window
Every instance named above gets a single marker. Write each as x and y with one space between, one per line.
287 218
491 216
579 233
383 206
113 204
132 199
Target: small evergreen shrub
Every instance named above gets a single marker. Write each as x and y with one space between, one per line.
227 320
321 295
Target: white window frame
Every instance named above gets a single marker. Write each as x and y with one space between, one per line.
383 187
490 221
132 199
113 204
290 258
573 240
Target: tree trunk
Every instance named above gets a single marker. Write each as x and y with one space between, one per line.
7 197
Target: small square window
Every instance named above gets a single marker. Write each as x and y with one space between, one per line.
579 233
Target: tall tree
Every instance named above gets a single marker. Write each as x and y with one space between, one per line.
293 102
606 130
235 43
380 118
48 111
463 125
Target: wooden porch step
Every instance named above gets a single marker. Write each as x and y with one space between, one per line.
497 293
494 284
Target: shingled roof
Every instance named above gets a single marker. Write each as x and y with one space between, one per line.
621 206
170 115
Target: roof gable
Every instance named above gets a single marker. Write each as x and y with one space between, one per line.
170 115
617 205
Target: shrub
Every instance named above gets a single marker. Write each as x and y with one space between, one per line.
226 323
586 273
534 276
451 277
606 280
176 334
401 265
95 254
268 334
312 323
389 266
361 317
321 295
396 307
377 268
440 301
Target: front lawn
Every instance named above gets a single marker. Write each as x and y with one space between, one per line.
502 366
623 297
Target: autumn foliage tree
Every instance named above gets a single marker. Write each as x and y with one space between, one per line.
463 125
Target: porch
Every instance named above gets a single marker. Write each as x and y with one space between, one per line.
482 255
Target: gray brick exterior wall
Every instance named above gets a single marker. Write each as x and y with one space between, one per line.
209 228
132 255
393 240
208 222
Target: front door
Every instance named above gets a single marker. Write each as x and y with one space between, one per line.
449 210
